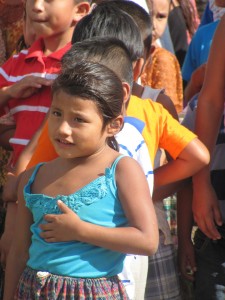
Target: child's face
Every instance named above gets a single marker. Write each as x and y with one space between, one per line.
160 13
76 126
51 18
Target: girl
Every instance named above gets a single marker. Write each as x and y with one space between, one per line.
163 69
109 211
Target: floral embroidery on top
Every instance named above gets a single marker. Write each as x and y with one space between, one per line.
90 193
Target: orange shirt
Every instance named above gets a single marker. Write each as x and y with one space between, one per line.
161 129
44 150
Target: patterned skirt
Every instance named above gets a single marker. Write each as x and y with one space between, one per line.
45 286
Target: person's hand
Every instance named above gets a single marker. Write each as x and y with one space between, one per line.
61 228
206 210
10 188
27 86
186 259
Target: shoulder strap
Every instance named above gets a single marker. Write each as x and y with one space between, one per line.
150 93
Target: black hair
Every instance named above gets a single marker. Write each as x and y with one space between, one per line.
110 52
140 16
96 82
106 19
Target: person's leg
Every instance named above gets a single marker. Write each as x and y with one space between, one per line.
210 261
162 280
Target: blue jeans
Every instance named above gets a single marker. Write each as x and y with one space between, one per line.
210 275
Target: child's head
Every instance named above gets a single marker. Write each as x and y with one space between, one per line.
107 51
159 10
107 20
55 18
141 18
86 109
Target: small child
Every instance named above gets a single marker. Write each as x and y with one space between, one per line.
90 188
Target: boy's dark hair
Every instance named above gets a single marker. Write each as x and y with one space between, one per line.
108 20
140 16
96 82
110 52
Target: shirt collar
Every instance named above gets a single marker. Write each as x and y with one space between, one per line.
36 50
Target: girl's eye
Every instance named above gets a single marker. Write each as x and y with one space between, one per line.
78 120
56 113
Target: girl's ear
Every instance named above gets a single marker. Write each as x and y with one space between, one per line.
81 10
138 68
115 126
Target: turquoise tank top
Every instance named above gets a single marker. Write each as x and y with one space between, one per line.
97 203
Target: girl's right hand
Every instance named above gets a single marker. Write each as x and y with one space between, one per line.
61 227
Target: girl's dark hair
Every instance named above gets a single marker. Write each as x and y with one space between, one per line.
189 14
93 81
106 19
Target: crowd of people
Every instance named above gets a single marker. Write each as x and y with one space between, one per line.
107 109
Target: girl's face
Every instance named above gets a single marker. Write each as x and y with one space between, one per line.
76 126
160 12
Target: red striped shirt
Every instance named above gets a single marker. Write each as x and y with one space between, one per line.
30 112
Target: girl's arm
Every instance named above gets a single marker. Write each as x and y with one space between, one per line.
18 254
140 237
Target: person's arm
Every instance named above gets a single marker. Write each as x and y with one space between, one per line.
18 255
186 255
140 237
193 157
208 119
195 84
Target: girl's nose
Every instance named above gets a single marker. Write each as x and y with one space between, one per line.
38 5
64 129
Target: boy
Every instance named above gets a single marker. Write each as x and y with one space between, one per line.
25 79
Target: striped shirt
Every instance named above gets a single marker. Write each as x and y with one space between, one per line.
29 113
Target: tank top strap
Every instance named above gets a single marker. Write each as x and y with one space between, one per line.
37 167
114 164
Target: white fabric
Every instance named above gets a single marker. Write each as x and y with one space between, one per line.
135 270
217 11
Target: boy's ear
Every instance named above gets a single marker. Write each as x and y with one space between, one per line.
115 125
138 68
81 10
126 92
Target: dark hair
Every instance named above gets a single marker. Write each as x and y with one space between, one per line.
108 20
189 14
93 81
140 16
110 52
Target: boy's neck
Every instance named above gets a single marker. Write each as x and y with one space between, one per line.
57 42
